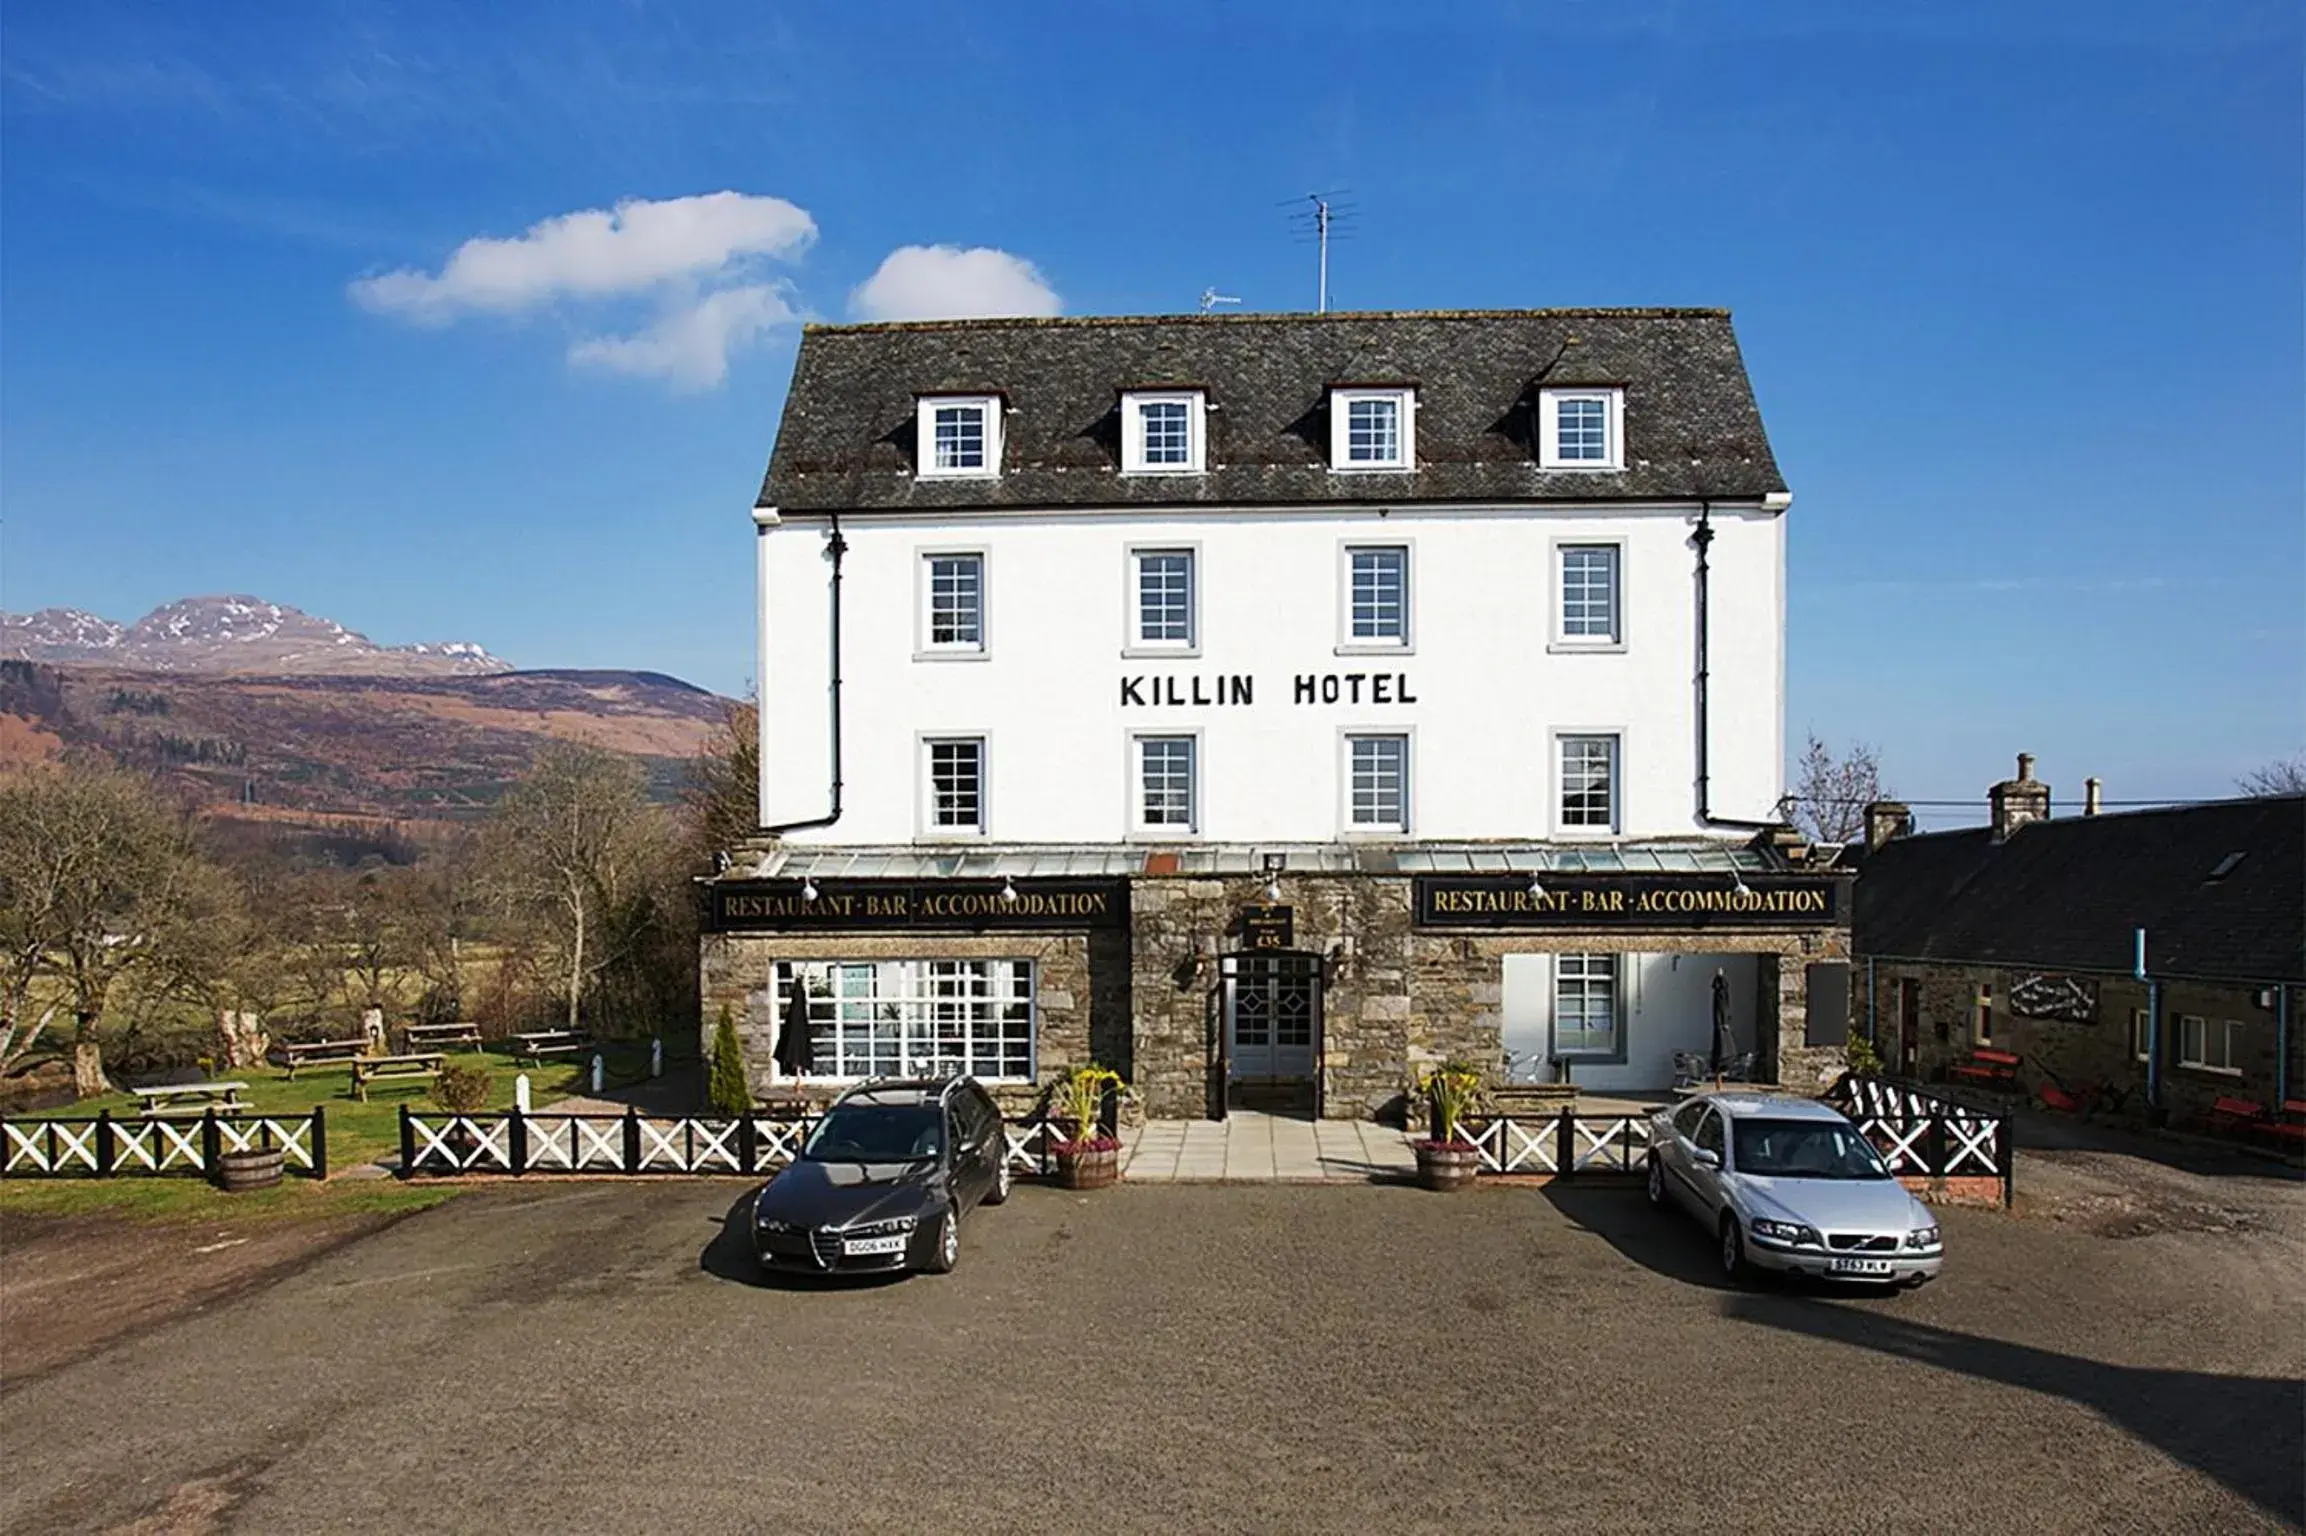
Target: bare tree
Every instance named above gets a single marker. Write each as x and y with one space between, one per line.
93 863
723 794
569 848
2283 776
1831 793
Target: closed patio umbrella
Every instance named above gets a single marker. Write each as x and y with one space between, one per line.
796 1053
1725 1043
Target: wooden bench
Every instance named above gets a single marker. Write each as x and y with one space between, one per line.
537 1044
2238 1117
1988 1069
421 1066
176 1100
432 1037
298 1053
2289 1127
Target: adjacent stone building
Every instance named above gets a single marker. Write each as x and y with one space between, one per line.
2157 957
1271 706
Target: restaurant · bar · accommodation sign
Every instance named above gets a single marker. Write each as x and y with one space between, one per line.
779 906
1628 901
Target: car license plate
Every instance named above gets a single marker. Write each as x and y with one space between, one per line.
863 1247
1858 1266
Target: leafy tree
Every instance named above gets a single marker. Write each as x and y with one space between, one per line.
94 864
2283 776
1831 793
728 1092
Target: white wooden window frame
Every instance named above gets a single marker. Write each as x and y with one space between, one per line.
1982 1014
1346 737
1136 644
925 645
910 987
924 755
1549 403
1350 644
1133 403
1558 778
2194 1034
1561 640
1610 982
2141 1035
1147 831
1341 402
989 409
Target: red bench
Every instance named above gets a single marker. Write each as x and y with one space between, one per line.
2238 1116
1992 1069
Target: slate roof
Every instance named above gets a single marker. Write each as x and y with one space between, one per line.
2069 893
847 441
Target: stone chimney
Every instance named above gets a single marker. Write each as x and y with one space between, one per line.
2092 789
2014 802
1886 819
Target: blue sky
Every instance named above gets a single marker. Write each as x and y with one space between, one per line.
2020 289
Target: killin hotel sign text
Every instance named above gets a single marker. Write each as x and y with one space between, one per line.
1239 688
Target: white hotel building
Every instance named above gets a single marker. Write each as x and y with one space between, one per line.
1271 706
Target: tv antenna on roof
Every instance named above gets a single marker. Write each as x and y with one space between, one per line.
1211 298
1325 220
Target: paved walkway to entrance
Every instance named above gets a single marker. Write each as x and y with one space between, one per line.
1248 1147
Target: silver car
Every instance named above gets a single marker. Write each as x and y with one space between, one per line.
1789 1184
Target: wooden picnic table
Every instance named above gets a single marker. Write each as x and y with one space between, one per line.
302 1052
537 1044
431 1035
191 1098
416 1066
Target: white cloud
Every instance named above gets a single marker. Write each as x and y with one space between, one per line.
690 343
944 282
596 253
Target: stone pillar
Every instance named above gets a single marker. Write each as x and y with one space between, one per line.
372 1031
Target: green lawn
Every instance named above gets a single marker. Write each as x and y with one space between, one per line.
186 1198
363 1133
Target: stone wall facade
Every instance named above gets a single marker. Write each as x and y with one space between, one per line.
1396 999
2097 1054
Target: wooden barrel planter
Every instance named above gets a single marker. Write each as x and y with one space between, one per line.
1088 1167
1446 1165
253 1169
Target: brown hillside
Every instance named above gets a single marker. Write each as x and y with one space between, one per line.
394 748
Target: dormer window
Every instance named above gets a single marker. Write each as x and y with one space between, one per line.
960 436
1372 429
1162 432
1581 429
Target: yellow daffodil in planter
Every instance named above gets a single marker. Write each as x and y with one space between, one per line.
1087 1158
1447 1160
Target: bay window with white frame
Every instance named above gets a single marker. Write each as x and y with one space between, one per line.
953 786
1588 612
1376 598
1589 798
1376 782
1163 432
1167 791
1164 600
1587 1023
953 603
1581 428
1373 428
960 436
915 1017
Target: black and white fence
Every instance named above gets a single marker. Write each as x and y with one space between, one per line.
1564 1144
104 1146
1922 1133
634 1143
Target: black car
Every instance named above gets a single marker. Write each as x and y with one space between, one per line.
884 1179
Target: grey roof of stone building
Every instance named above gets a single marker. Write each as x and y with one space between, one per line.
2071 893
1692 430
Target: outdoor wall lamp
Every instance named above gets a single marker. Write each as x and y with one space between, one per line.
1275 863
1536 886
808 890
1008 889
